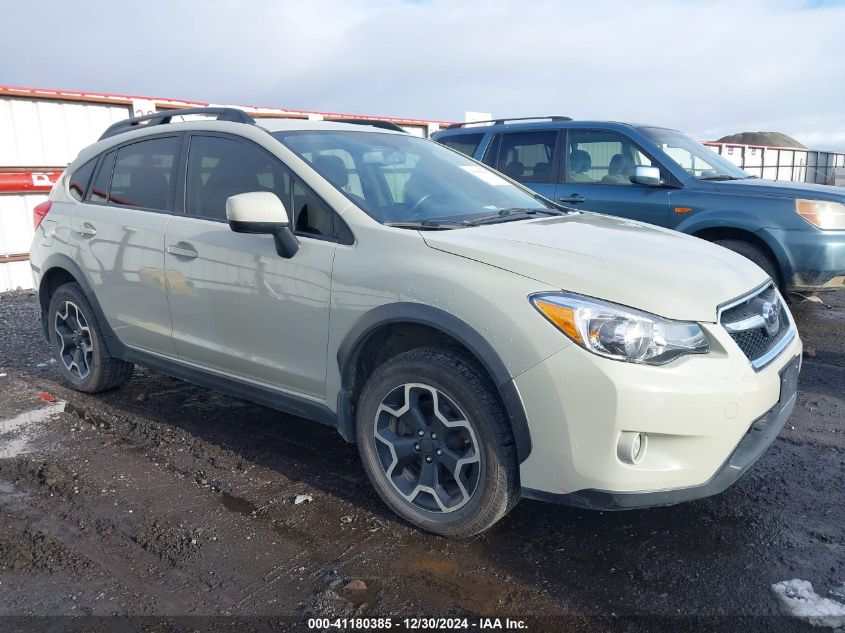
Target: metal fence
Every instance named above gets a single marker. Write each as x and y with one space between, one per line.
783 163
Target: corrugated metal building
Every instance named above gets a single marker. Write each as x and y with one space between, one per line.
41 131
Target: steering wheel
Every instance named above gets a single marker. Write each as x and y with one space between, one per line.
415 208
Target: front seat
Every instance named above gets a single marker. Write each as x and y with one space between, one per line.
227 179
332 169
148 187
542 172
515 169
619 171
579 164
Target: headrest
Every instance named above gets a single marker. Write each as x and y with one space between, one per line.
333 169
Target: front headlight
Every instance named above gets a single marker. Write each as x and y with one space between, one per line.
620 333
822 213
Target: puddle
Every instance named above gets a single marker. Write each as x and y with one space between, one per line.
16 433
237 504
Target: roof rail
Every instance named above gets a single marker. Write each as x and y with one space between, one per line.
161 118
555 117
385 125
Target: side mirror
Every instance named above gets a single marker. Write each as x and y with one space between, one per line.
262 212
646 175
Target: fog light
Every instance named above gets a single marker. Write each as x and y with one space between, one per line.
631 447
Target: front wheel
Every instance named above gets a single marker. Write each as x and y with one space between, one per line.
755 254
435 442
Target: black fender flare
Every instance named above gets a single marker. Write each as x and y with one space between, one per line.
59 260
449 324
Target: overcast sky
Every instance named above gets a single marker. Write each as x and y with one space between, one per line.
706 67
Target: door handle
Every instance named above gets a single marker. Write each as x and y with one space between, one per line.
85 229
182 251
574 198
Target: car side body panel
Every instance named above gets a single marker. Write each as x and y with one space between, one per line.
239 307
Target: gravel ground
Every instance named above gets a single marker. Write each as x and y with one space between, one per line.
166 499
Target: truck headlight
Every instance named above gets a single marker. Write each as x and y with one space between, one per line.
822 213
620 333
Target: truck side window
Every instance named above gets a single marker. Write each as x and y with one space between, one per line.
527 156
607 158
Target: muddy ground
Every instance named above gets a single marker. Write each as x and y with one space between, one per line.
166 499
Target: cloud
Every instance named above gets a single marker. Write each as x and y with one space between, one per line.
706 68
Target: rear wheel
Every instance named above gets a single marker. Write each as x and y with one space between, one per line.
755 254
77 343
435 442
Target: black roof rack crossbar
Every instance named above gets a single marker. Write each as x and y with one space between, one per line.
164 117
555 117
385 125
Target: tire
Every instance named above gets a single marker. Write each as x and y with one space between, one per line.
474 440
755 254
77 343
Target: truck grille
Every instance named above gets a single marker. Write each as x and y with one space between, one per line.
760 324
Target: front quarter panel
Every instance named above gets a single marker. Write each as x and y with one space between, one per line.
806 256
400 268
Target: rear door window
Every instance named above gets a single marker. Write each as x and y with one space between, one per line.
464 143
527 156
144 174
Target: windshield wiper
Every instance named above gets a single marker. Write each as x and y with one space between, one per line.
506 215
719 177
427 225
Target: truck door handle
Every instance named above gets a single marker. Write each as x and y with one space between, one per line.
183 251
574 198
85 229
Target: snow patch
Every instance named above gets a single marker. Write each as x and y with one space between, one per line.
798 599
17 432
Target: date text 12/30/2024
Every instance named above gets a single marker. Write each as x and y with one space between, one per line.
423 624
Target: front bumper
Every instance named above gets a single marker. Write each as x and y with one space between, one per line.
751 447
811 259
706 419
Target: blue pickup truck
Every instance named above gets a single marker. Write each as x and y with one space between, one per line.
793 231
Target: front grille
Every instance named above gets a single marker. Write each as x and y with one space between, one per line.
759 324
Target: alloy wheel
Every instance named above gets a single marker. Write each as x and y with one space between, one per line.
73 340
427 448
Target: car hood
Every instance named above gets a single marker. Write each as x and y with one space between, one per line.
641 266
753 186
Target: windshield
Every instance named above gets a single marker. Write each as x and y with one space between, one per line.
398 178
694 157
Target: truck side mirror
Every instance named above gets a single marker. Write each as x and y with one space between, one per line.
646 175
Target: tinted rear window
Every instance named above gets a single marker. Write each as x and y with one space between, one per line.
527 156
100 189
464 143
143 174
80 179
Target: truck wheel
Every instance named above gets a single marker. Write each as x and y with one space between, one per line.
755 254
435 442
78 343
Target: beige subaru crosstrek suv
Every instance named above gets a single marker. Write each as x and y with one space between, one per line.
477 341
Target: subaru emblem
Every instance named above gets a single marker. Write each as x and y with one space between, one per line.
771 317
